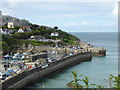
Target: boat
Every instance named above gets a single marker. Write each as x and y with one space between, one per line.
18 56
7 56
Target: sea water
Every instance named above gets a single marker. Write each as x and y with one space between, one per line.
98 70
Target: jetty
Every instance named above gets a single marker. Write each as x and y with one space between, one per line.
96 51
29 76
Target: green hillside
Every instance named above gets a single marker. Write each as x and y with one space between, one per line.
11 43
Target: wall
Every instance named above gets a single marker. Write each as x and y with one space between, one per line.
99 53
41 55
27 77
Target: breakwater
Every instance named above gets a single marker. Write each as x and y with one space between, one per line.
27 77
98 51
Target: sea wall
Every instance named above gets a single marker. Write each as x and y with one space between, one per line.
27 77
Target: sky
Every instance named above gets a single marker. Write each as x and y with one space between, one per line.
72 16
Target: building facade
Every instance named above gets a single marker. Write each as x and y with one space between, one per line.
10 25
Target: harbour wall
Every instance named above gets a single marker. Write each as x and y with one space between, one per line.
98 52
30 76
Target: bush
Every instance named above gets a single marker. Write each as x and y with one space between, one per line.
39 43
75 84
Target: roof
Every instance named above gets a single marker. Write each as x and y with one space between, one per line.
25 27
55 32
36 36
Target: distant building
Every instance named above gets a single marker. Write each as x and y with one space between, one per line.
1 31
54 34
37 37
24 29
10 25
5 31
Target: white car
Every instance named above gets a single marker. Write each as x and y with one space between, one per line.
44 66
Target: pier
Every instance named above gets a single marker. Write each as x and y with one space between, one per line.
96 51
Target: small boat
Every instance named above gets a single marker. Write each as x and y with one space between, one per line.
23 57
18 56
10 71
7 56
8 74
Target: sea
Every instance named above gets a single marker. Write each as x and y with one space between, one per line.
98 70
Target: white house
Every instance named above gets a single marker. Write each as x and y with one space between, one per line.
24 29
54 34
1 31
20 30
37 37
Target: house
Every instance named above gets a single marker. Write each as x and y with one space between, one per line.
37 37
54 34
1 31
24 29
10 25
20 30
5 31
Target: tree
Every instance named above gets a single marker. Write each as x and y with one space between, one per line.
4 26
42 27
5 47
17 27
34 26
55 27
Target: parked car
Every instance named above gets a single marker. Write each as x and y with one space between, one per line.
45 66
4 77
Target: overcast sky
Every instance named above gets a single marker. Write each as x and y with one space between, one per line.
72 16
